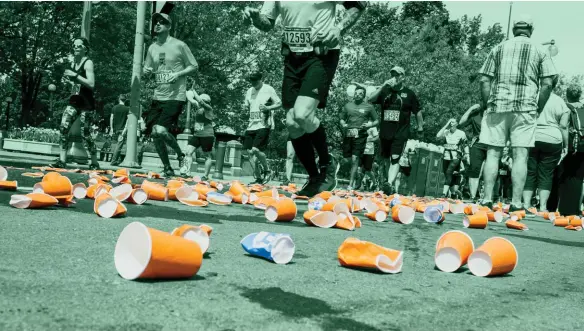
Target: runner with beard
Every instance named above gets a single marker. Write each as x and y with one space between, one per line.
311 51
398 103
454 141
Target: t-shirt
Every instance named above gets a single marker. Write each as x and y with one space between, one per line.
453 142
548 122
172 56
396 110
372 137
302 20
203 126
120 113
356 115
253 99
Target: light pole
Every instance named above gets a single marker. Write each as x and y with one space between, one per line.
52 88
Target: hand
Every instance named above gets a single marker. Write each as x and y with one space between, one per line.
263 108
344 125
329 40
250 14
420 129
148 70
390 82
69 73
172 78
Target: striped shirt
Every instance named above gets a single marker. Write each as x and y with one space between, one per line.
516 66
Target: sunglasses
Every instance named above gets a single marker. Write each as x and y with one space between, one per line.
78 46
161 22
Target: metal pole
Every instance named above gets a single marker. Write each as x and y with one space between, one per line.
188 128
509 20
7 114
86 19
130 160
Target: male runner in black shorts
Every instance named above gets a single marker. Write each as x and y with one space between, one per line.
398 103
311 50
171 61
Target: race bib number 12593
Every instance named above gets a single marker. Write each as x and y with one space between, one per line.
298 39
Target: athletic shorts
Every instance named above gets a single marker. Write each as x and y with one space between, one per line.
306 74
354 146
389 147
367 161
206 143
498 128
256 138
478 154
164 113
405 170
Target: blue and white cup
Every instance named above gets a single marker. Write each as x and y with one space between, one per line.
276 247
434 214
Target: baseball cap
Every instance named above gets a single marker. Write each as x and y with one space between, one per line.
205 97
399 70
523 21
156 16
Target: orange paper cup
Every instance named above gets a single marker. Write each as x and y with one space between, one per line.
511 224
107 206
3 174
54 184
237 188
495 216
155 191
561 221
355 253
79 191
9 185
403 214
476 221
452 250
324 219
121 192
497 256
283 210
138 196
194 234
457 208
378 216
32 200
142 252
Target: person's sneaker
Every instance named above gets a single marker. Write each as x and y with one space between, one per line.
485 203
58 164
285 183
182 164
168 172
94 166
267 177
387 189
310 188
204 179
115 163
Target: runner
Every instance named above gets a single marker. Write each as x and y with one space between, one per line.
455 139
81 76
311 50
367 160
117 123
171 61
398 103
405 165
203 134
261 100
357 117
290 154
478 151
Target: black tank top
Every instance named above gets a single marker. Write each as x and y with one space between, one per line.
81 95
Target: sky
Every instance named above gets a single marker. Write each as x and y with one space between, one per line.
562 21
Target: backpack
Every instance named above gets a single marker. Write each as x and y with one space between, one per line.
576 129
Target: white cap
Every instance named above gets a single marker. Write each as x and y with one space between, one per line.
205 97
523 21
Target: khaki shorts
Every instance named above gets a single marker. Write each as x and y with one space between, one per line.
498 128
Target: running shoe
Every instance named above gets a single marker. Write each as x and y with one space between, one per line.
94 166
168 172
58 164
267 177
328 176
182 164
311 188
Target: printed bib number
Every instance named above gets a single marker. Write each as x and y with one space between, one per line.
298 39
391 115
255 115
352 133
369 147
162 77
199 126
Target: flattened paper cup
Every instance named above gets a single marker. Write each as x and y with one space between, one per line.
218 198
378 216
369 205
403 214
476 221
316 203
10 185
434 214
195 234
354 253
138 196
452 250
511 224
457 208
143 252
236 188
497 256
322 219
283 210
573 228
79 191
155 191
3 174
263 202
121 192
276 247
33 201
242 198
345 222
123 172
107 206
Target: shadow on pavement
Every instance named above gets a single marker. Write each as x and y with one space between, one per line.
151 281
549 241
297 306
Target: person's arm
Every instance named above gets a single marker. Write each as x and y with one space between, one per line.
487 73
442 131
89 80
374 118
485 90
416 109
189 60
112 122
147 69
376 96
343 117
277 102
263 19
544 93
564 121
354 10
470 113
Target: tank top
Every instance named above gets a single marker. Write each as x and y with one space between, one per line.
81 95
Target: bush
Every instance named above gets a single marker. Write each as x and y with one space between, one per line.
36 134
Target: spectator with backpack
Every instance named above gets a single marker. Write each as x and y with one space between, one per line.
572 166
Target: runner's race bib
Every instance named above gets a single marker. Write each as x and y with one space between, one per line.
391 115
352 133
298 39
162 76
255 115
199 126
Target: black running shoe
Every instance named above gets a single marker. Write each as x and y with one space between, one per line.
310 188
58 164
267 177
94 166
168 172
328 176
387 189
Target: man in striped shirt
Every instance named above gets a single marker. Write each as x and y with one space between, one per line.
516 83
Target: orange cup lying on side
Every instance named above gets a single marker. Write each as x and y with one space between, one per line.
576 222
143 252
403 214
497 256
33 200
11 185
378 216
511 224
283 210
138 196
355 253
107 206
561 221
155 191
477 221
452 250
54 184
195 234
